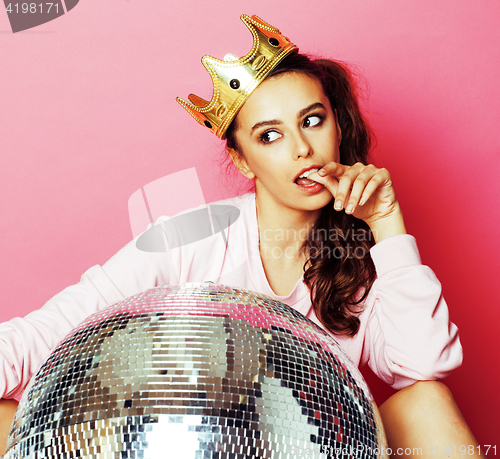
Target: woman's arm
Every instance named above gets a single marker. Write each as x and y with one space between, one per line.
26 342
409 336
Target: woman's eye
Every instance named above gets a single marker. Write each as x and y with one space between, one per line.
312 120
269 136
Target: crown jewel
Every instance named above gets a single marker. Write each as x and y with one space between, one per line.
234 78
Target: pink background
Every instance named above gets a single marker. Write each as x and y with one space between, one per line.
88 116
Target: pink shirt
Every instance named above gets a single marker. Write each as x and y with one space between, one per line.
405 333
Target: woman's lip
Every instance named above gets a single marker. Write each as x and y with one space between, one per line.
310 189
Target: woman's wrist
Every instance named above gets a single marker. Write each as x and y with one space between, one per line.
388 225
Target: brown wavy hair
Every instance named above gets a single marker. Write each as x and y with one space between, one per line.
339 271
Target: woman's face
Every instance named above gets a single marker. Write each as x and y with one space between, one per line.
287 126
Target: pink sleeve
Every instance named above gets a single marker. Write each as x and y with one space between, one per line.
409 336
26 342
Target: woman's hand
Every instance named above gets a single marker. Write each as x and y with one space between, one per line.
367 193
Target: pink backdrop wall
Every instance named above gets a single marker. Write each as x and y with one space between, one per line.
88 116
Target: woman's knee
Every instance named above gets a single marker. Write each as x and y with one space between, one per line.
422 414
420 394
430 391
436 388
428 402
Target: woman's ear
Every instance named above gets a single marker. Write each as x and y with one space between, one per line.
240 163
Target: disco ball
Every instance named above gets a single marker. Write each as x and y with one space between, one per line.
197 371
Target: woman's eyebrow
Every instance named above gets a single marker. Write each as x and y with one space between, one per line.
311 107
303 112
266 123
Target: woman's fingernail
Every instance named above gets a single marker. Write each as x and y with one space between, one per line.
362 201
322 172
338 205
350 208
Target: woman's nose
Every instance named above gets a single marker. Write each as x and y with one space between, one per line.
302 147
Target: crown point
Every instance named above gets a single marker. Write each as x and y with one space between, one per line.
198 101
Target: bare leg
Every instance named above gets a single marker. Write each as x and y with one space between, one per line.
425 415
7 410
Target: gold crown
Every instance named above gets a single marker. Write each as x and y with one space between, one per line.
234 78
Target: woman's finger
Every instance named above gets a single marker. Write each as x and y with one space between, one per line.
376 181
358 188
329 182
346 182
333 169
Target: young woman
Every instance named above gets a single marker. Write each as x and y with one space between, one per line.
323 232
